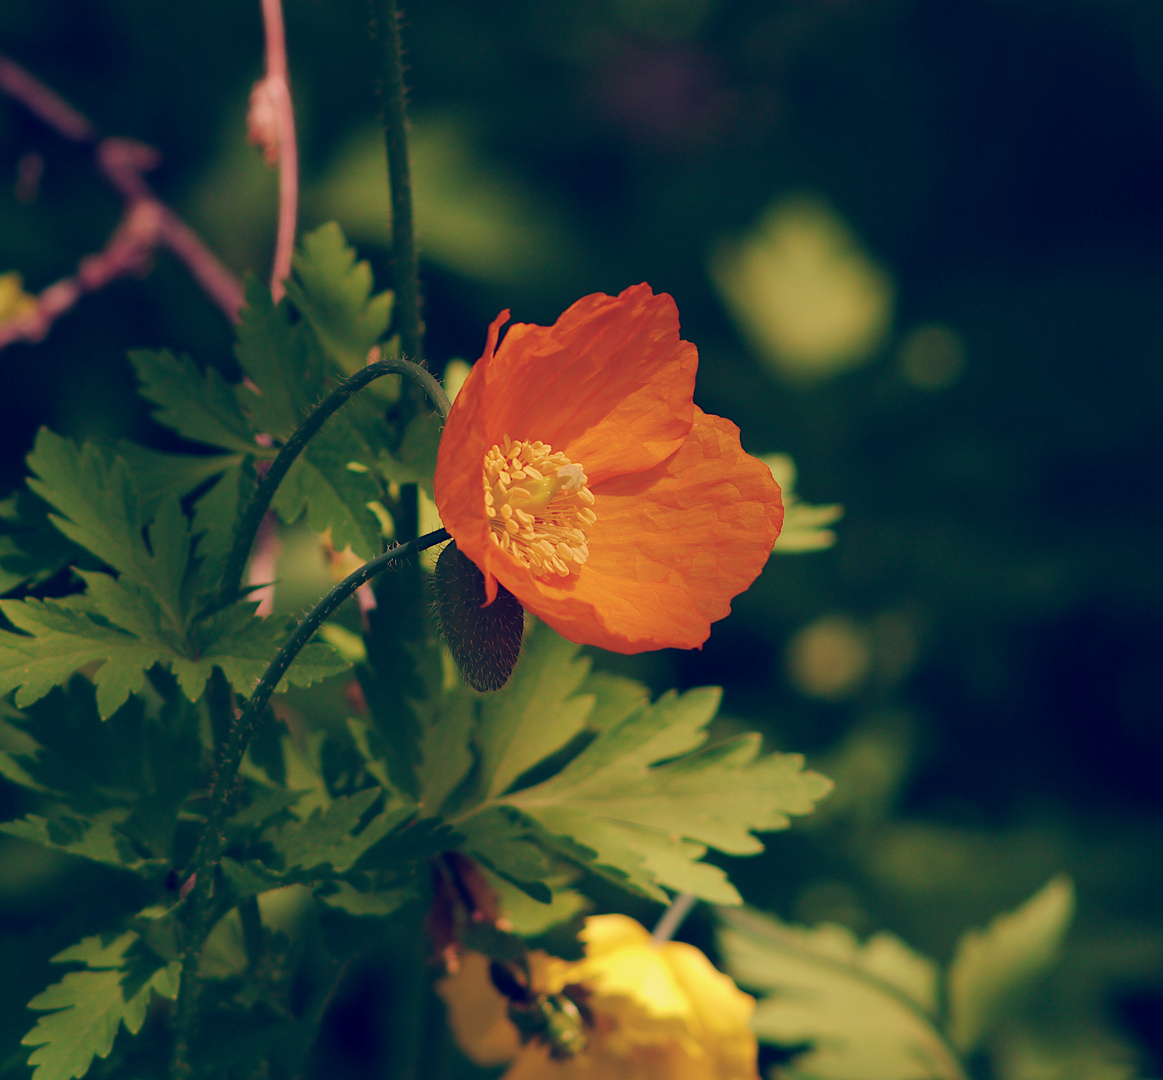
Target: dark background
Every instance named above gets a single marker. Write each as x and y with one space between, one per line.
997 569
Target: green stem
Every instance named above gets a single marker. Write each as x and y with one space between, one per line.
404 256
264 492
213 838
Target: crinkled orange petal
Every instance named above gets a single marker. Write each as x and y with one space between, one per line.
671 547
610 383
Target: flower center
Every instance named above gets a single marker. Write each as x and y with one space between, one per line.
538 506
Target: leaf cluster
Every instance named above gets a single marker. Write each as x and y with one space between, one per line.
879 1010
125 695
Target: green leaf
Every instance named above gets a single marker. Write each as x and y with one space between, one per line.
864 1010
62 636
198 405
333 292
89 1006
216 516
243 646
377 903
32 550
94 839
102 512
446 755
994 968
507 846
324 485
287 373
327 839
536 714
140 765
652 821
158 476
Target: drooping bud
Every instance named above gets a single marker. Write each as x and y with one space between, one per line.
484 641
261 126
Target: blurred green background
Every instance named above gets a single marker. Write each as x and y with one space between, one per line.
919 244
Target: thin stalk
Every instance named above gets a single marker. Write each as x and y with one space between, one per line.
278 90
673 917
212 840
404 256
260 501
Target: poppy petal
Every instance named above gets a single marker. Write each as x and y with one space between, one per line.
610 383
671 547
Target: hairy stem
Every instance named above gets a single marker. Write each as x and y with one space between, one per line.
211 842
386 16
260 501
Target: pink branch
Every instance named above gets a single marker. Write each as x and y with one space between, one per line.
271 121
147 223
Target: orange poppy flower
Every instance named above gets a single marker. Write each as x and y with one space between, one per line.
576 470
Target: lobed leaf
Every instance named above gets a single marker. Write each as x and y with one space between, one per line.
333 291
85 1010
330 484
994 968
648 809
286 373
860 1010
536 714
198 405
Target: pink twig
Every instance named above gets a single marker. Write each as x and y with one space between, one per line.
147 223
272 126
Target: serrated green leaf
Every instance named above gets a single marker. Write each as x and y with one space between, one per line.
333 292
994 968
91 1005
287 374
18 756
243 646
531 918
125 780
863 1010
536 714
102 512
94 839
198 405
332 495
652 821
159 476
216 516
374 903
327 839
636 859
32 550
506 845
66 635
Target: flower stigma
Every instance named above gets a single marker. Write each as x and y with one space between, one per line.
538 506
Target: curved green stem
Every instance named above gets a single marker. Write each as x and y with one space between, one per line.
212 840
260 501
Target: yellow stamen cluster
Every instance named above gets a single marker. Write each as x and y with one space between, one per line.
538 506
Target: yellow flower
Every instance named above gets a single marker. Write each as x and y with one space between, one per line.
654 1012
